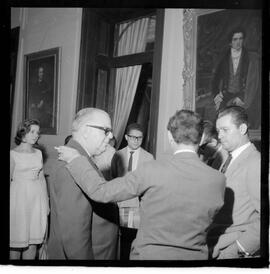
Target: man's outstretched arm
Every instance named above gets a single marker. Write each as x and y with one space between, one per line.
98 189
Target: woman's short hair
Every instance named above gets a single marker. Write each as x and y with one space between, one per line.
23 128
186 127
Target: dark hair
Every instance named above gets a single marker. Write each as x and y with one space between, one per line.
186 127
239 114
134 126
23 128
236 30
67 139
209 131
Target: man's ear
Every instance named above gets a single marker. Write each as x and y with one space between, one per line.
170 137
84 131
126 137
243 129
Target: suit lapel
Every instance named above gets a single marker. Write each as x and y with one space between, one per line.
141 157
125 159
74 144
240 159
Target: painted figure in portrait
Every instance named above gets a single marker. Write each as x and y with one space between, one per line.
229 63
41 103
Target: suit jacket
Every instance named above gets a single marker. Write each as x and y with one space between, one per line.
179 198
249 83
119 168
76 232
221 76
239 219
119 164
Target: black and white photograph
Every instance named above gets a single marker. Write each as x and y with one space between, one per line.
138 137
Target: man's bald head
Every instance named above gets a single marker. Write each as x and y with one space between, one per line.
88 115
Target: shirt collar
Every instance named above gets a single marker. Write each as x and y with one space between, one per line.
136 150
238 151
236 53
184 150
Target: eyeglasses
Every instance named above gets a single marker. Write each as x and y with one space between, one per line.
135 138
106 130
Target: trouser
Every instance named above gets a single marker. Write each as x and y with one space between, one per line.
127 235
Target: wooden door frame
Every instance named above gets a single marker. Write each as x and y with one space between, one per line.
124 61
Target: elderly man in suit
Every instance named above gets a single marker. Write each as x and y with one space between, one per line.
236 229
79 227
179 196
126 160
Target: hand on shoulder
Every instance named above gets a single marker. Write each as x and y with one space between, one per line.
67 154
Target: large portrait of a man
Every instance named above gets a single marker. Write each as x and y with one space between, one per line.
229 63
41 88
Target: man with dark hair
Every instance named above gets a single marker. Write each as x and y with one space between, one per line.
236 228
179 195
125 160
236 79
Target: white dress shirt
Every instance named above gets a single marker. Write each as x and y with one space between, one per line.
136 154
236 54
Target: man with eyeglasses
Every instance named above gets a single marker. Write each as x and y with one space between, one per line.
123 161
81 228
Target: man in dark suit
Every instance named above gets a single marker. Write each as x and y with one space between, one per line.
125 160
79 227
236 79
236 229
179 196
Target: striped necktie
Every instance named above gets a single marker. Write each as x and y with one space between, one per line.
226 164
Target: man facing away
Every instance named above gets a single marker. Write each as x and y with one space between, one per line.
179 195
237 226
125 160
81 228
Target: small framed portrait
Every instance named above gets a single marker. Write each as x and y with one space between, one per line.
226 67
41 84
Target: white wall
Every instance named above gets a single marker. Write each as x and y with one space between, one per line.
41 29
171 89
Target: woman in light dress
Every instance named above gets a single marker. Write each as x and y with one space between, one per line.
29 205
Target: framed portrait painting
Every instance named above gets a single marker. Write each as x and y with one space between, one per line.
41 89
223 62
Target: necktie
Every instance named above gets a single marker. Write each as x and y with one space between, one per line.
226 164
130 161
